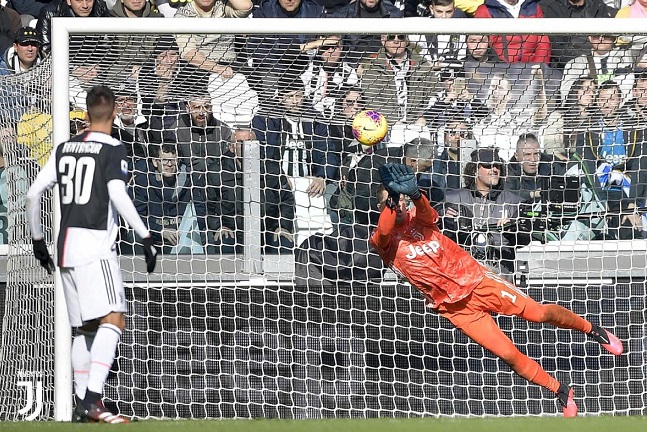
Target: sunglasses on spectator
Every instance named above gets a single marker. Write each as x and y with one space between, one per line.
400 37
490 166
329 47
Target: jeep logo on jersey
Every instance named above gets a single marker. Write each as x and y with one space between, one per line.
431 247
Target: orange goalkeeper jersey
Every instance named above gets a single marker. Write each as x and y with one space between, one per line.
430 261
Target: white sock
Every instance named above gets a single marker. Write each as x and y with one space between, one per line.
102 355
81 363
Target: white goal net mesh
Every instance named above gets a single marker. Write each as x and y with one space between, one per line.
268 301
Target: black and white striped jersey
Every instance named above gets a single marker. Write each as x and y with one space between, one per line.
84 166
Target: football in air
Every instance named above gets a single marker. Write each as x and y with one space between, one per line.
369 127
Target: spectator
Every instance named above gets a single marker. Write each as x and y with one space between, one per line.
35 132
484 201
443 51
454 98
129 52
9 217
363 46
163 197
341 134
202 139
351 202
29 9
446 168
273 56
478 51
10 23
278 208
225 202
4 202
506 117
530 168
615 164
398 82
295 141
215 54
420 154
574 116
164 81
567 47
83 76
602 62
69 8
637 107
23 55
516 48
134 9
340 129
327 75
130 127
636 9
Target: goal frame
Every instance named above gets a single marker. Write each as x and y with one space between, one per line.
62 28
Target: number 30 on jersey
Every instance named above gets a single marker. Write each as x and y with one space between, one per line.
76 179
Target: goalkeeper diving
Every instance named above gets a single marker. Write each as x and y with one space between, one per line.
462 290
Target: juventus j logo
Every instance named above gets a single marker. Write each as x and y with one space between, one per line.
32 388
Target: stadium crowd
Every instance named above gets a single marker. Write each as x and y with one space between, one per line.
492 124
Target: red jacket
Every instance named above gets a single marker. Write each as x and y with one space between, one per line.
517 48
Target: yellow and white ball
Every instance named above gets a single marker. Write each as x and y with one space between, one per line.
369 127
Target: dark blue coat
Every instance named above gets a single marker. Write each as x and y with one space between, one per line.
160 206
283 51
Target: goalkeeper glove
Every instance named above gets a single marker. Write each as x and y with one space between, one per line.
386 177
150 254
42 255
401 179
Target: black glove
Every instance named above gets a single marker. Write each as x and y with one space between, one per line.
42 255
401 179
150 254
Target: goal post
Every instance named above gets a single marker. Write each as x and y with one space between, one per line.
238 334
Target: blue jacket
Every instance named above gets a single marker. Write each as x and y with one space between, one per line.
162 206
272 50
362 45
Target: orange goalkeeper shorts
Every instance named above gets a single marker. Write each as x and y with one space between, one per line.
493 294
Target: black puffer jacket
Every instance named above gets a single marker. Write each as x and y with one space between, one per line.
60 8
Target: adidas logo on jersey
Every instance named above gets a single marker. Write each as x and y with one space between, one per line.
415 251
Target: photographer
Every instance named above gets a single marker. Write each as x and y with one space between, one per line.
490 210
529 168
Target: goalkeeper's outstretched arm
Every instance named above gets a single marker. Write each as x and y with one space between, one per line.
385 225
424 211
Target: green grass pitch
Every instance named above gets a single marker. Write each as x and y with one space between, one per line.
517 424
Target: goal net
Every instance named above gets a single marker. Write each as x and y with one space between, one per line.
267 300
